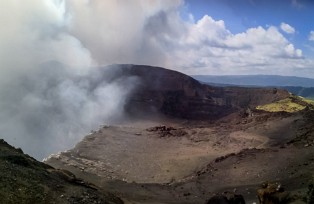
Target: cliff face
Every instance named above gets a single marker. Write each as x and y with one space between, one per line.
175 94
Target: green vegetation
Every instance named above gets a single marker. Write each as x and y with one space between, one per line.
309 100
290 105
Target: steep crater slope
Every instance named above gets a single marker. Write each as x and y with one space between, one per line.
160 90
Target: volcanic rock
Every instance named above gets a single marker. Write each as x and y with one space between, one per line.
226 198
24 180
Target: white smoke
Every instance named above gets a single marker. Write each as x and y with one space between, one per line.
51 92
49 108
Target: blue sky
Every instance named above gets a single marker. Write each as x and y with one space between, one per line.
239 15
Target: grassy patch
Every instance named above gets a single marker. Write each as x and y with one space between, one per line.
291 105
310 101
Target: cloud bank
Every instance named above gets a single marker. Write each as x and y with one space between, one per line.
52 94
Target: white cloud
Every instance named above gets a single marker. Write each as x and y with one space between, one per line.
297 4
311 36
209 47
287 28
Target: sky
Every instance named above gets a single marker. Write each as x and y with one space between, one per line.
52 91
290 22
291 17
191 36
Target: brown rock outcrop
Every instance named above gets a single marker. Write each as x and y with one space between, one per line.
272 193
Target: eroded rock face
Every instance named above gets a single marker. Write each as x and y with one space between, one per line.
176 94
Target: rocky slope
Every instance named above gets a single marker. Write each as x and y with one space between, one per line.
25 180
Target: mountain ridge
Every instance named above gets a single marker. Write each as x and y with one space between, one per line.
257 80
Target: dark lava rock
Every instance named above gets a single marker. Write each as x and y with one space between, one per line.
167 131
310 193
226 198
24 180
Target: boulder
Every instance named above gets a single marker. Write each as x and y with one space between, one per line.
226 198
273 193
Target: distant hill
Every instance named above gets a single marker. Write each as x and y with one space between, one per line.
257 80
300 86
301 91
